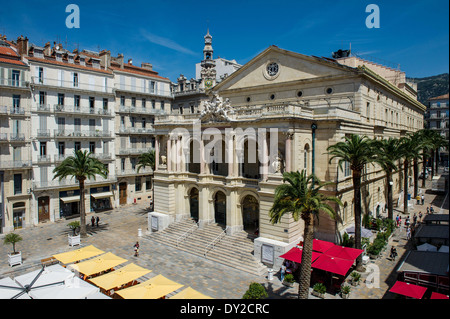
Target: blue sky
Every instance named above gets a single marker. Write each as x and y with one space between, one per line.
169 34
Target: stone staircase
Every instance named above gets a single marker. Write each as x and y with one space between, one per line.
232 250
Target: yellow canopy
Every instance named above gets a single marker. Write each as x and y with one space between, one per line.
154 288
189 293
120 276
98 264
79 254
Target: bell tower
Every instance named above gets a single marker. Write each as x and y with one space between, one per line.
208 65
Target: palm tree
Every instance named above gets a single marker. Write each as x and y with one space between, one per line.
417 143
408 151
427 137
82 166
357 151
436 141
12 238
300 196
144 160
387 153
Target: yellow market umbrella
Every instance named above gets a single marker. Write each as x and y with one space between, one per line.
119 277
98 264
79 254
154 288
190 293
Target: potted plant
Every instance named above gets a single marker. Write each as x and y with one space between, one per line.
74 239
355 278
255 291
345 291
289 280
15 258
319 290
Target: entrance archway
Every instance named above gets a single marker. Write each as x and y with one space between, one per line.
193 203
250 214
43 208
220 208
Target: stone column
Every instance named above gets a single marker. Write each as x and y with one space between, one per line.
288 155
169 154
157 140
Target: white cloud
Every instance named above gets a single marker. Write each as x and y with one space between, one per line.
168 43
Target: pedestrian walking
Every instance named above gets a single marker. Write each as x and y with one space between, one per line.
431 210
428 210
423 199
97 220
420 216
397 220
407 222
136 249
92 221
414 219
393 253
408 233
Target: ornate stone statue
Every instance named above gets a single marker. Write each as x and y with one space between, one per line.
163 160
216 110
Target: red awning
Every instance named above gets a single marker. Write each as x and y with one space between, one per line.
436 295
408 290
321 245
333 264
344 252
295 254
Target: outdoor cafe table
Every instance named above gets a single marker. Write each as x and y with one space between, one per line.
98 264
119 277
154 288
78 254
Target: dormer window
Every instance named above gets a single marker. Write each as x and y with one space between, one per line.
38 53
58 57
82 61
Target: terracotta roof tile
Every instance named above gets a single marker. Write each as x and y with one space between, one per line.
77 66
441 97
128 68
12 61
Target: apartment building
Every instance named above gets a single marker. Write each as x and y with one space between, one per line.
15 143
140 94
438 120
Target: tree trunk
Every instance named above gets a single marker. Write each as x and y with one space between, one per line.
390 203
83 232
424 170
305 266
432 164
357 199
416 178
405 186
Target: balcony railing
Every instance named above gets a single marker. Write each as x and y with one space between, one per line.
134 151
102 156
43 133
141 110
80 110
81 134
44 159
15 164
14 83
134 130
17 137
77 84
141 89
71 182
127 172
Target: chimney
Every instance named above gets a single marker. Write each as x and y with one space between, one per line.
146 66
22 45
105 59
120 60
130 61
47 49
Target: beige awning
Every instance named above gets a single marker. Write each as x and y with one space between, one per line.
102 195
70 199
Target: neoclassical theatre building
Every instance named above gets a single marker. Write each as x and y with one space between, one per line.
221 162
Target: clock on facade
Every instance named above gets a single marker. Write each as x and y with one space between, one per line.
208 83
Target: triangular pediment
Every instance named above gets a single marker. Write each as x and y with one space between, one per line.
276 66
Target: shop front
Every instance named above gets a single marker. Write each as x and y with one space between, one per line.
69 203
101 198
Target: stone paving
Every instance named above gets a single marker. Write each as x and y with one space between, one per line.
118 231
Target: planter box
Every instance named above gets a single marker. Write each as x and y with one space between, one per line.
74 240
345 296
355 283
15 259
